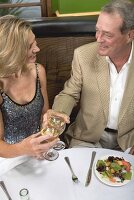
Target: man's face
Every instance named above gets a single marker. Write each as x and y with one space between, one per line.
111 41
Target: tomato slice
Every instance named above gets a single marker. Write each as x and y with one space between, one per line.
127 165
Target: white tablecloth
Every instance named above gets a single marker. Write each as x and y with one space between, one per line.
51 180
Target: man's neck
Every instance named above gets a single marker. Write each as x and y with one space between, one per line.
119 61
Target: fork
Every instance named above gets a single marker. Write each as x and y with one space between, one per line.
74 177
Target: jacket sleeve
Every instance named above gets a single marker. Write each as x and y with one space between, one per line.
70 95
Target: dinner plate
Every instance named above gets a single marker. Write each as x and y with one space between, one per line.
106 180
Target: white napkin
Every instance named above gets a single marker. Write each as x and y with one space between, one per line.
127 150
9 163
3 195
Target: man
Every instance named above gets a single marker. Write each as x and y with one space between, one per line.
102 79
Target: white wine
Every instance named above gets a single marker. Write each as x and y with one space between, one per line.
56 126
56 121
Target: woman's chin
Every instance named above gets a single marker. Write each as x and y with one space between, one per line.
33 60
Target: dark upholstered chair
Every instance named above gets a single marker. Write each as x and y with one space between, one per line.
57 38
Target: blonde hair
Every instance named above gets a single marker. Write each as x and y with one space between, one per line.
14 33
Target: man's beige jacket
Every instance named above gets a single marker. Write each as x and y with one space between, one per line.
90 84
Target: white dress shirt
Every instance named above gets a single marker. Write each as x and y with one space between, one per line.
117 87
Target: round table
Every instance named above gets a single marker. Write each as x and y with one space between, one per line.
51 180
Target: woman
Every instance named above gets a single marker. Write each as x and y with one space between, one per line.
23 93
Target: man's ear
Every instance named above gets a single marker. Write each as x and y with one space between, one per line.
131 34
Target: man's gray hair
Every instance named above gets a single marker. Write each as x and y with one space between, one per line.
125 9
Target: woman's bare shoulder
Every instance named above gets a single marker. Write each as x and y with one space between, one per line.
41 67
42 71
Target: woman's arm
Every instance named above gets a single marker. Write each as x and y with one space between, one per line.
33 145
43 83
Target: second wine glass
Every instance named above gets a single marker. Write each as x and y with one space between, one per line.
55 127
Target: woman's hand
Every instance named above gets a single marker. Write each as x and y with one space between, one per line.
36 145
51 112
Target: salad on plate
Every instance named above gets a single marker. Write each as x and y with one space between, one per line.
114 170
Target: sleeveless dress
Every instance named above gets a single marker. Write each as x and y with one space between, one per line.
20 121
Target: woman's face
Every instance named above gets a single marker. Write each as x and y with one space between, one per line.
33 48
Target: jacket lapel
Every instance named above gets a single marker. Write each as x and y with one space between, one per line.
129 90
103 81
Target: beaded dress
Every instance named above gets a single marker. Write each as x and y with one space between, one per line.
20 121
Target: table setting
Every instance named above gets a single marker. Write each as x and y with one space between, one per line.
72 176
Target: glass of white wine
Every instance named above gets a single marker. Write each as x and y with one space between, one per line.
55 127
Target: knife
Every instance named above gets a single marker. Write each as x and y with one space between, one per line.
89 173
5 189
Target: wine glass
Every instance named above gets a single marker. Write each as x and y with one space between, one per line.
55 127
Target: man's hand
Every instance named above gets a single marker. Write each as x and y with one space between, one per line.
132 150
51 112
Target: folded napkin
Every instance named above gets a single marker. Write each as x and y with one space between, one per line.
127 150
9 163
